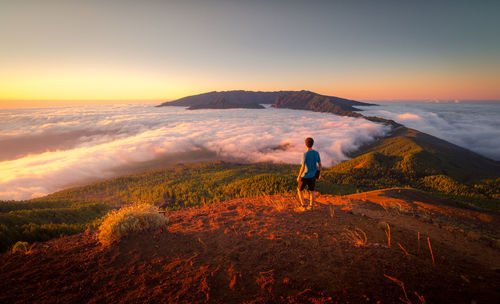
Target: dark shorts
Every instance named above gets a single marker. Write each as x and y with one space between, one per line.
309 182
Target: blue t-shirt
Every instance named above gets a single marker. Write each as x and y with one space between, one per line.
309 160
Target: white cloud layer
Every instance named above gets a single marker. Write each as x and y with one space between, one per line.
46 150
475 126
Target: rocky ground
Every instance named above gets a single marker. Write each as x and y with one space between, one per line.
267 250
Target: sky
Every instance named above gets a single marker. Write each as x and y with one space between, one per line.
66 52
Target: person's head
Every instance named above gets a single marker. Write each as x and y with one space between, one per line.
309 142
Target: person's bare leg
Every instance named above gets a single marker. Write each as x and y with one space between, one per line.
311 198
301 197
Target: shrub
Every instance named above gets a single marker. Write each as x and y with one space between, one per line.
119 223
20 246
261 184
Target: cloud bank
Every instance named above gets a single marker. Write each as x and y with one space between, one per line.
474 126
50 149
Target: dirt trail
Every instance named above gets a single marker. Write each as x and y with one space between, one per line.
262 250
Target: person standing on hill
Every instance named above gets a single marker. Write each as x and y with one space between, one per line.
309 172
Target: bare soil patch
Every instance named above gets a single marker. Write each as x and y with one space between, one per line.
265 250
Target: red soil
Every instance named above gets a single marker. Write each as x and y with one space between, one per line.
262 250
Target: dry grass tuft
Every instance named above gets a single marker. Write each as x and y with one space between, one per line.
420 298
430 249
279 203
331 210
357 236
404 250
388 234
20 247
296 205
119 223
402 285
266 280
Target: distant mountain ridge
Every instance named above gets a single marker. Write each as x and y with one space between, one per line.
249 97
222 103
235 96
305 100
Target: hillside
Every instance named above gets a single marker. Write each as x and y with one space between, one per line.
245 97
73 210
222 103
188 185
411 158
262 250
424 154
36 221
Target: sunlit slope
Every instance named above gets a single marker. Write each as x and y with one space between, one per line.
412 158
75 209
359 248
194 185
418 154
42 220
186 185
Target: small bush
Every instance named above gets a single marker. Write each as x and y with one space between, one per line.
20 246
119 223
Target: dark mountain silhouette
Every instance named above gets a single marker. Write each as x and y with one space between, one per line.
305 100
236 97
222 103
245 97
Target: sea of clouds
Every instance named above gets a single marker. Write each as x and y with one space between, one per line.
472 125
46 150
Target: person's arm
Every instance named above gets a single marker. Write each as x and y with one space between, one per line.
300 172
319 166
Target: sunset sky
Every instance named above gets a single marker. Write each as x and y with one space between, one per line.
96 52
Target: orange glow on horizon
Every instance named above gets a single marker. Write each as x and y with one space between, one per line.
86 86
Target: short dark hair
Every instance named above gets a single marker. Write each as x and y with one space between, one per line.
309 142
